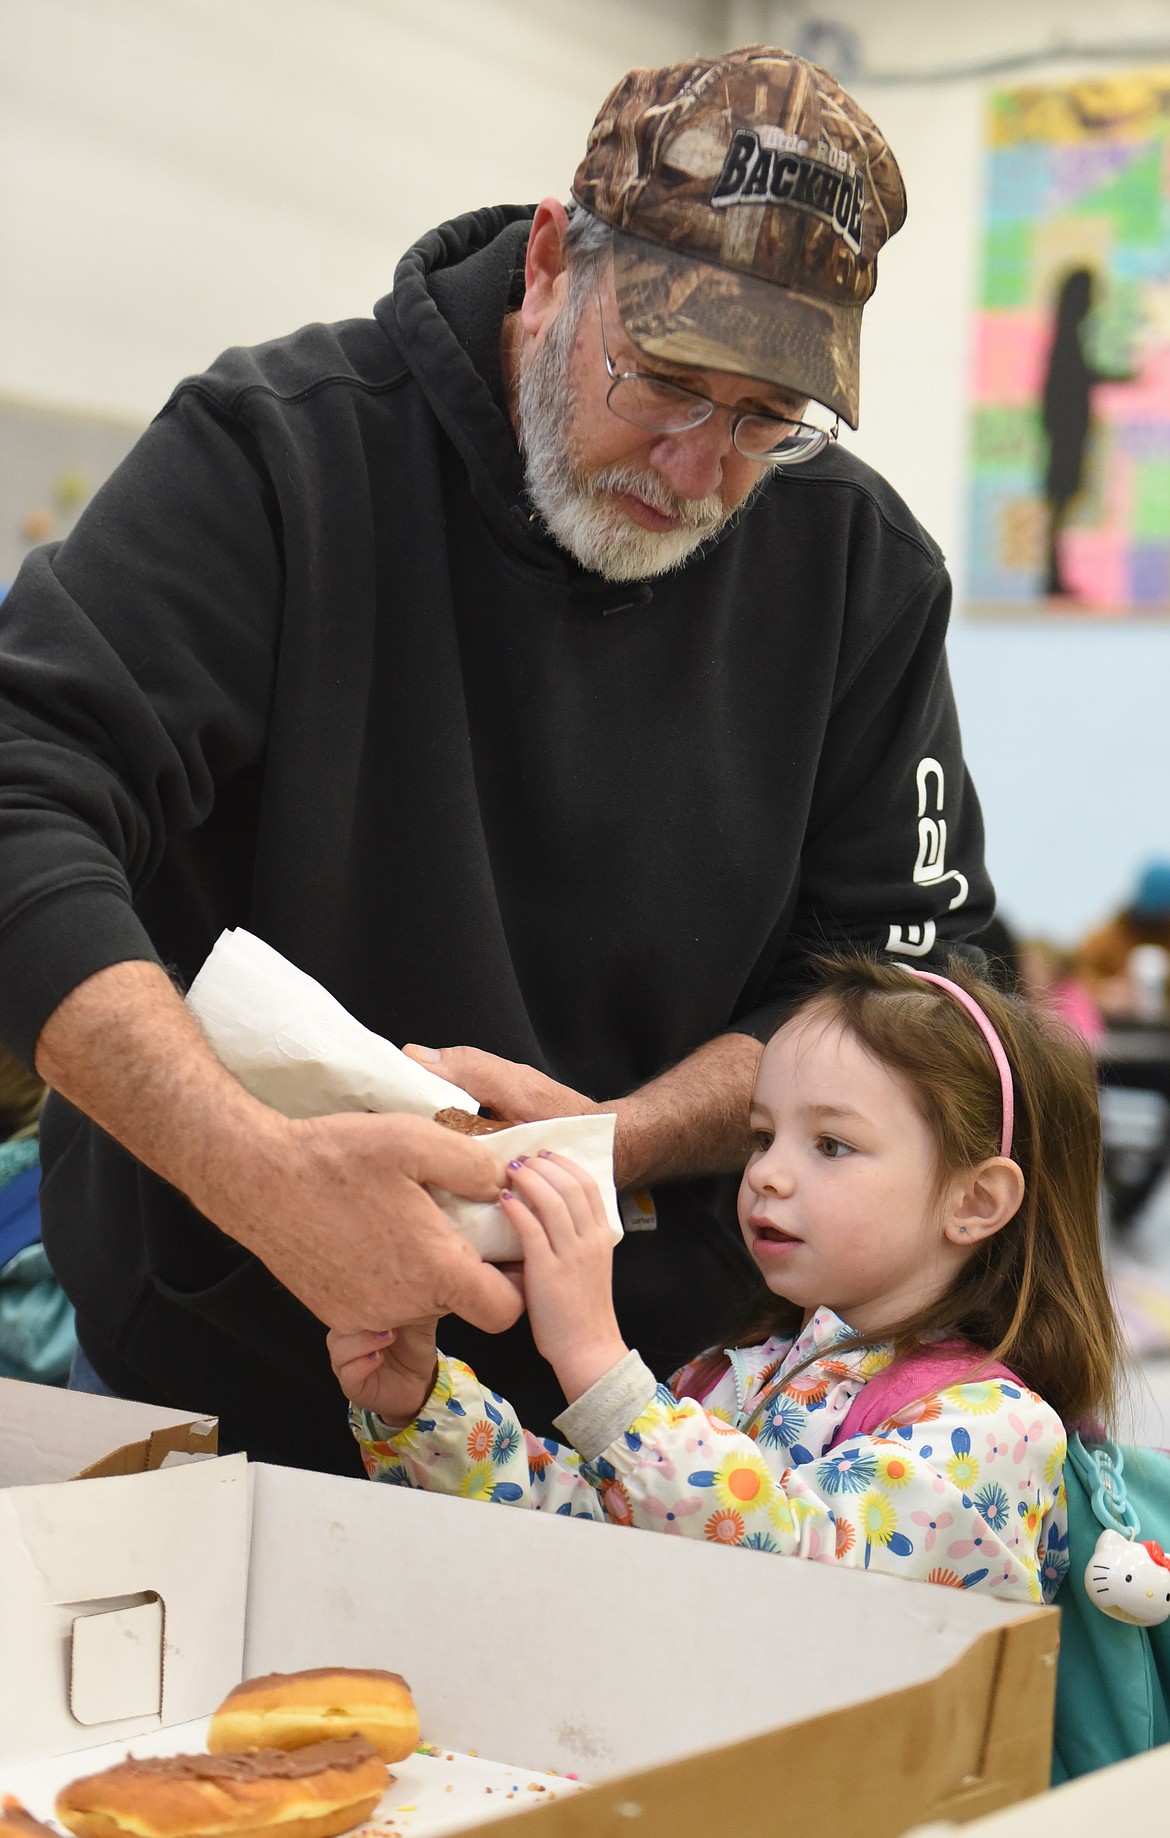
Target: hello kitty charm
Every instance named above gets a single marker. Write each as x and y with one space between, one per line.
1129 1580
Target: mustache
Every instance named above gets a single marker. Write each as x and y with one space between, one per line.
705 514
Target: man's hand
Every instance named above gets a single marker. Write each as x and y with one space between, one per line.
568 1268
519 1094
341 1216
691 1120
391 1373
336 1207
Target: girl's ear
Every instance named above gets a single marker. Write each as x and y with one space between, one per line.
983 1200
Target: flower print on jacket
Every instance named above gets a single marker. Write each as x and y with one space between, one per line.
910 1500
962 1468
991 1503
1026 1434
848 1470
782 1424
931 1526
1054 1559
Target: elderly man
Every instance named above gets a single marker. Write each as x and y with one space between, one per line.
525 663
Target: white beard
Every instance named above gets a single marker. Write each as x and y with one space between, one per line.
579 508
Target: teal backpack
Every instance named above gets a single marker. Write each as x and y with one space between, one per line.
1113 1676
1113 1679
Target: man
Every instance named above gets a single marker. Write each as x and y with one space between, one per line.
526 665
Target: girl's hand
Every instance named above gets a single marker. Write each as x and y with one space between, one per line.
568 1268
391 1373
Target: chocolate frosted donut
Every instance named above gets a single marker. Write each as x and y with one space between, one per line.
287 1709
314 1792
466 1123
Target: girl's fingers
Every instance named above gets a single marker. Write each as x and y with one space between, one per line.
355 1374
577 1191
345 1345
528 1225
546 1199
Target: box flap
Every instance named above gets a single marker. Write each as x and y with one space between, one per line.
166 1447
116 1663
72 1554
47 1434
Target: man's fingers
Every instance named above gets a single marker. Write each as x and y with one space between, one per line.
485 1297
486 1076
427 1153
514 1274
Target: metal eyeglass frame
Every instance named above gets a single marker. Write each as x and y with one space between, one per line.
817 444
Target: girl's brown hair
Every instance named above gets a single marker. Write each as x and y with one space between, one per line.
1033 1295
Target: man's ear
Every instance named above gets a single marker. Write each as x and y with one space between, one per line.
544 266
983 1200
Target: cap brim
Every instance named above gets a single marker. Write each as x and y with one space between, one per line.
708 317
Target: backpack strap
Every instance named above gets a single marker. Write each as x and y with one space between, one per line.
918 1375
699 1379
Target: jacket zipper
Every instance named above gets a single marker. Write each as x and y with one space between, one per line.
742 1384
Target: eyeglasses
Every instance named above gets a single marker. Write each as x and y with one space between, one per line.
670 408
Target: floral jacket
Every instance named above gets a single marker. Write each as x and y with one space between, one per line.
963 1488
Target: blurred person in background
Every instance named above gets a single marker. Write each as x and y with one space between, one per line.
1048 977
528 664
36 1319
1124 963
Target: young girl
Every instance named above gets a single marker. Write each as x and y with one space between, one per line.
924 1185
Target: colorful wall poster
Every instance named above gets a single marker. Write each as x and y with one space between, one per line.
1070 451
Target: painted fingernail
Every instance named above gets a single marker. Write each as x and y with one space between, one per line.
547 1153
385 1334
519 1161
506 1193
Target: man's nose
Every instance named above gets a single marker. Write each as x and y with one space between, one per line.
691 462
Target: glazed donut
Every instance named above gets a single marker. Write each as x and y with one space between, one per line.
287 1709
15 1822
267 1793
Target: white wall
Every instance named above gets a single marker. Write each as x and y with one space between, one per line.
1065 724
179 175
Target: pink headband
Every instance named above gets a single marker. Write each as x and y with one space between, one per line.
991 1037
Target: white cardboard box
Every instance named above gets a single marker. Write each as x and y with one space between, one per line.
693 1687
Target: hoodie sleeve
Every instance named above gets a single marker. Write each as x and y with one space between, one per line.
136 662
893 854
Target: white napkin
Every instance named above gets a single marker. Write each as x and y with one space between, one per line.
293 1046
587 1141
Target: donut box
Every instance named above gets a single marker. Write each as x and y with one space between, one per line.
1130 1796
600 1681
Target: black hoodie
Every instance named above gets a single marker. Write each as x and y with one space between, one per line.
309 665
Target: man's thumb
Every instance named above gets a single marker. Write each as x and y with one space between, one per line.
426 1056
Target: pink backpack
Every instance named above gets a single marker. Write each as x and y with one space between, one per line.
902 1382
919 1375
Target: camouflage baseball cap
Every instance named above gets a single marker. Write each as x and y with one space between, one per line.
750 196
